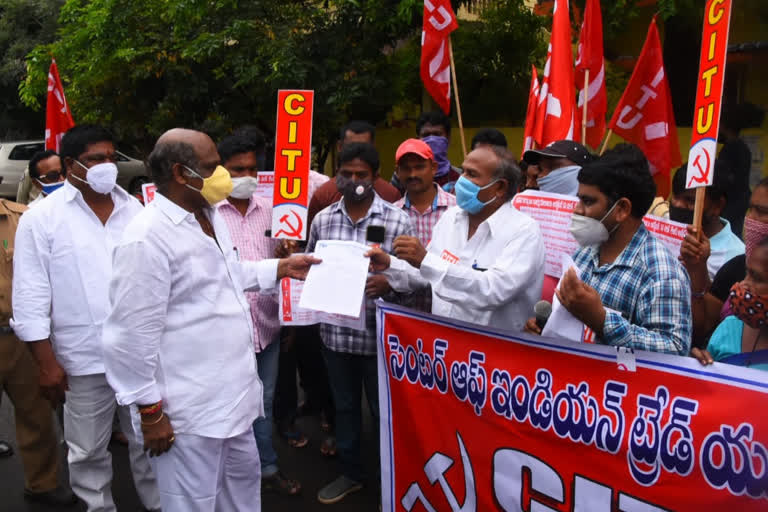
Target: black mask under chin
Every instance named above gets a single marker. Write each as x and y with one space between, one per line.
682 215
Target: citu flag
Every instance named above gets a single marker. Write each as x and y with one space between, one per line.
439 22
644 115
58 119
590 57
557 101
530 116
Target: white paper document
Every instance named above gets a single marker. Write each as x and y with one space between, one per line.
292 314
336 285
562 324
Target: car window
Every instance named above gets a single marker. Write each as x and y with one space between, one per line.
121 157
25 151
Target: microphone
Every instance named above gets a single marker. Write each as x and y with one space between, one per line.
374 235
542 310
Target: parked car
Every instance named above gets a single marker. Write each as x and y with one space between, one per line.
15 155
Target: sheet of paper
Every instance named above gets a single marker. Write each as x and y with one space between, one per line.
562 324
292 314
336 285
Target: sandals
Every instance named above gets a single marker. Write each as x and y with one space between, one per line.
294 438
328 447
278 484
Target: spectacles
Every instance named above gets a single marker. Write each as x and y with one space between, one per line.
52 177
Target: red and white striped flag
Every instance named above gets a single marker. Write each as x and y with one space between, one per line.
439 22
58 119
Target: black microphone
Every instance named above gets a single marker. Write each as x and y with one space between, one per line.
542 310
374 235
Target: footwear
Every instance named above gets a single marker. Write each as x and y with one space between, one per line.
278 484
6 450
337 490
328 447
58 497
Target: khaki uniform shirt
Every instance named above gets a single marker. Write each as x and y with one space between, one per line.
9 220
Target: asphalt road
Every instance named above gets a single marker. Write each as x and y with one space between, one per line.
305 464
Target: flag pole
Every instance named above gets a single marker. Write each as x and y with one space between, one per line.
698 210
605 142
456 95
584 116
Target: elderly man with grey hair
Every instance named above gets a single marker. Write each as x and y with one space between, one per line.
485 261
179 340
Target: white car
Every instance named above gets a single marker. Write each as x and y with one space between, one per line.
15 155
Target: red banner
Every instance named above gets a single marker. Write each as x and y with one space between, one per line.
439 22
709 94
530 116
590 58
293 158
474 419
58 118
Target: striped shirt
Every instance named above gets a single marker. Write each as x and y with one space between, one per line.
247 234
649 288
333 223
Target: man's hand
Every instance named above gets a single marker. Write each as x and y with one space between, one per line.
694 254
702 355
532 327
296 266
380 260
409 248
158 437
377 286
582 301
285 248
53 382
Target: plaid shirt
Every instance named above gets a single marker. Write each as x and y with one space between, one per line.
247 234
650 290
423 224
333 223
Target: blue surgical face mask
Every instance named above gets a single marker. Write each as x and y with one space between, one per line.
49 188
466 195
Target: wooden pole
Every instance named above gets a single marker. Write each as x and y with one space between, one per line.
698 210
456 95
584 116
605 142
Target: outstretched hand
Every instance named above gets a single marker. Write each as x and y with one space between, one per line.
296 267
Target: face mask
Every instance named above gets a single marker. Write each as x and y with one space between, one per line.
754 232
244 187
466 195
49 188
216 187
355 191
682 215
748 307
588 231
561 181
102 178
439 147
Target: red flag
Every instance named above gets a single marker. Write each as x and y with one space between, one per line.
644 115
554 116
590 57
439 22
58 119
530 116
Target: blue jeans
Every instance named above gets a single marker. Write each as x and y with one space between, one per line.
348 374
266 362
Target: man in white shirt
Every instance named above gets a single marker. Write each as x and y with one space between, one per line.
485 262
179 340
62 268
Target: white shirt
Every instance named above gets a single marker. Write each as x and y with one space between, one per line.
494 278
61 272
724 246
180 329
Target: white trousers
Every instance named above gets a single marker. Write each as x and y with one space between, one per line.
203 474
88 413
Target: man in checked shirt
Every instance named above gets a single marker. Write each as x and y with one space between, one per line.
350 355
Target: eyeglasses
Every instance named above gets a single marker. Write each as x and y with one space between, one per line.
52 177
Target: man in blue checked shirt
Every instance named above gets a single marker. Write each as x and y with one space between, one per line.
630 290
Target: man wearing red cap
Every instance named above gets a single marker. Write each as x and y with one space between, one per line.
424 201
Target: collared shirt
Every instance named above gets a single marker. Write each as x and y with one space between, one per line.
9 221
316 180
424 223
493 278
650 290
61 272
333 223
180 329
247 234
724 246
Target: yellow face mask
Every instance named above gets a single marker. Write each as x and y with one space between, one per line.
216 187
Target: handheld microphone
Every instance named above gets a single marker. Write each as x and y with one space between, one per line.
374 235
542 310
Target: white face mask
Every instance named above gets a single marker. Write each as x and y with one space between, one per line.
588 231
102 178
244 187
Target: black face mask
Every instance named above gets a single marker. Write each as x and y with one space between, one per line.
682 215
349 189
